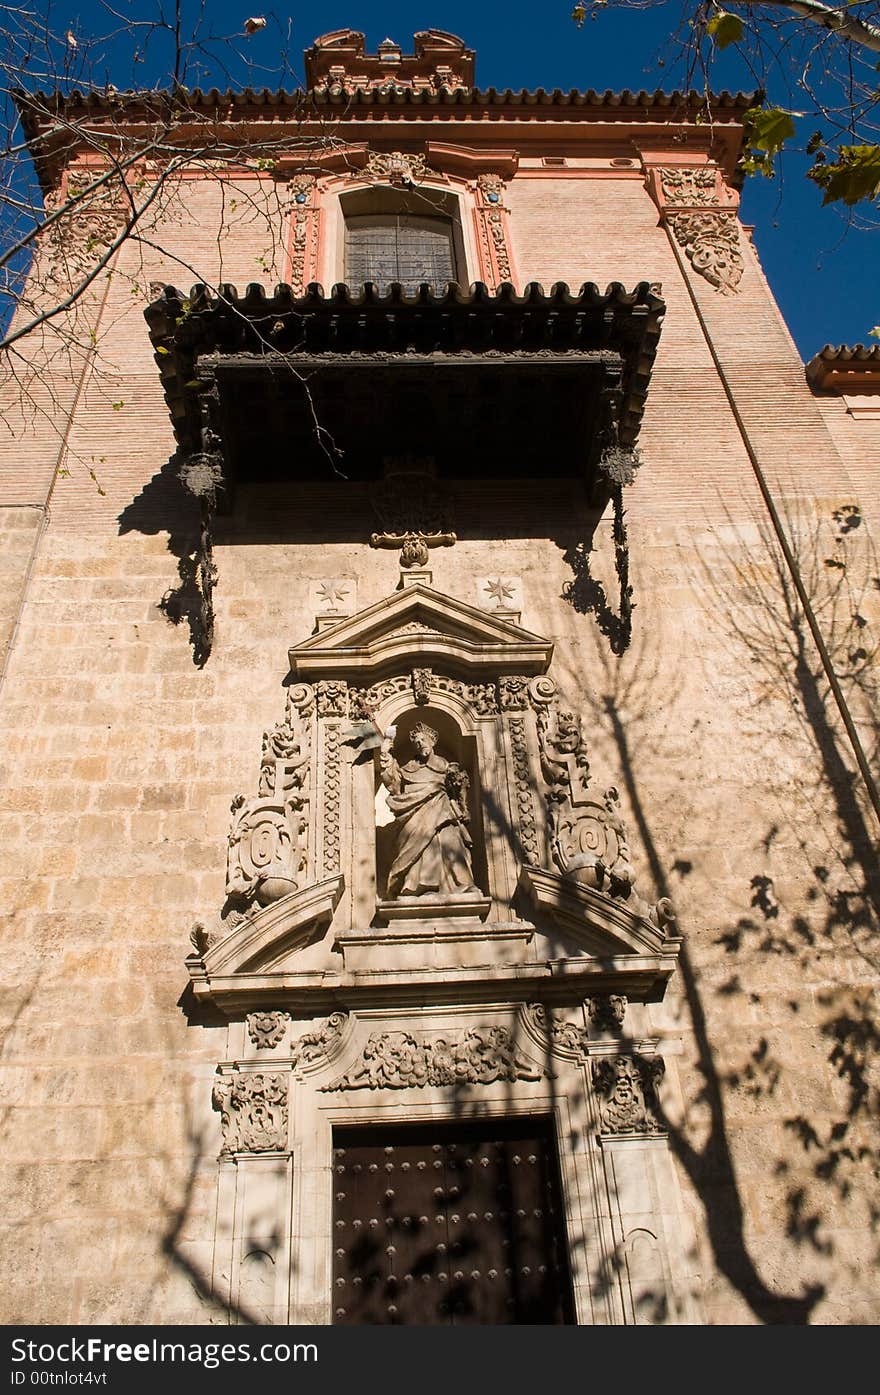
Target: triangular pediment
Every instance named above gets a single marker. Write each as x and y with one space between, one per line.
421 625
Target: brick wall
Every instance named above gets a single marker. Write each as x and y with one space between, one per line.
120 759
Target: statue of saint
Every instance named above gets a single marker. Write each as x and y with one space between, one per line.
428 798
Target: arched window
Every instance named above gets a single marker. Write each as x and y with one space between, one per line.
404 247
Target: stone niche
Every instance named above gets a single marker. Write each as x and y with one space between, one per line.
432 917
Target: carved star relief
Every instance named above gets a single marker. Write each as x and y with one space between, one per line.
331 593
498 590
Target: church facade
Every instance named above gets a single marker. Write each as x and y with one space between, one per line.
439 789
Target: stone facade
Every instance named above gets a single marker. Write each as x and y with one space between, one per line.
668 945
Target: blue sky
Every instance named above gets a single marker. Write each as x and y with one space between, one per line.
823 275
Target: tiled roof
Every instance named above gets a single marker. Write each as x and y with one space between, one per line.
834 366
36 105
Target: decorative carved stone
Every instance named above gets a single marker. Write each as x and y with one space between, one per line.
304 227
492 187
75 243
566 1038
522 776
266 1029
400 1061
266 850
492 224
412 510
626 1087
316 1046
332 794
619 464
201 474
253 1111
694 187
332 698
513 692
422 679
711 244
398 168
200 938
364 701
267 843
483 698
607 1011
500 594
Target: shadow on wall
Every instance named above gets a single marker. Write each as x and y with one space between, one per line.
165 506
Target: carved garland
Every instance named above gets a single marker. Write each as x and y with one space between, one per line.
400 1061
522 777
332 855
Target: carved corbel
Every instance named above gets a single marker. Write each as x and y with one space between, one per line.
318 1048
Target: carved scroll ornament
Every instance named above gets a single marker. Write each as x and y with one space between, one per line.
267 843
315 1047
400 1061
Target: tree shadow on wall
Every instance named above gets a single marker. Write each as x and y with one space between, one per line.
624 709
834 943
165 506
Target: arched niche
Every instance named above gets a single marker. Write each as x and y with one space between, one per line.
456 745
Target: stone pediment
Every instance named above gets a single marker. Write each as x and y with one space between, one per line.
600 925
420 624
268 939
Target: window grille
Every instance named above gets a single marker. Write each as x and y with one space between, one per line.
399 247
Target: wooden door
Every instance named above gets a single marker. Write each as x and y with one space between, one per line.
452 1223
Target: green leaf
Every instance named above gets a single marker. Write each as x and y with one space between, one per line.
725 29
875 332
769 128
852 177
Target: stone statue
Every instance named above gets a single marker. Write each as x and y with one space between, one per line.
428 798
